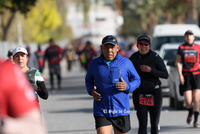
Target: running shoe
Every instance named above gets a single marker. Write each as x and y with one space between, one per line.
196 124
189 119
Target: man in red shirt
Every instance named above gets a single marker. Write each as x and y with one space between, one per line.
19 110
54 54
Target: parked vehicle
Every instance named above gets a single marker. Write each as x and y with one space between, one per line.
176 100
172 33
167 53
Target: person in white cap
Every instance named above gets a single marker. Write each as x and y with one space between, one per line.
20 57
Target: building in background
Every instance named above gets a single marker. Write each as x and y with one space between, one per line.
104 18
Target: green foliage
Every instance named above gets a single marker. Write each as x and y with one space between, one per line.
17 5
2 4
41 21
23 5
139 19
12 6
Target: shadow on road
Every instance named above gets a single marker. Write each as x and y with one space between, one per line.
72 131
76 98
81 110
176 128
69 90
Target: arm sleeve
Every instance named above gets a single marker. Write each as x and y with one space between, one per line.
89 80
160 70
43 93
134 78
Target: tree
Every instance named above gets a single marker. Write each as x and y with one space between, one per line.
41 21
12 6
142 15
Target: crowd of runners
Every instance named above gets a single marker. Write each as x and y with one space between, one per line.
111 74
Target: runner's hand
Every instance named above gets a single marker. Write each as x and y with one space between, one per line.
96 95
121 86
35 88
145 68
182 80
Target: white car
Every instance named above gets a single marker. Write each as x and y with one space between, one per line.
172 33
168 53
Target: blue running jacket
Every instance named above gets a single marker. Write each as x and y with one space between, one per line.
113 102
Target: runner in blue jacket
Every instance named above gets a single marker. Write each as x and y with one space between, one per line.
110 79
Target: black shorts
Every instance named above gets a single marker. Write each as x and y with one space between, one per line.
191 82
121 123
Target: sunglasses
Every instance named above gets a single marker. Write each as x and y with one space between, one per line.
143 44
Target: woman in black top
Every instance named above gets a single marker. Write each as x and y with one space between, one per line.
148 97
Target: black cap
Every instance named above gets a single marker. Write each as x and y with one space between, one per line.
10 52
50 40
109 39
189 32
143 37
88 43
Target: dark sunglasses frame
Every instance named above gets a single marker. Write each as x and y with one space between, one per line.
143 44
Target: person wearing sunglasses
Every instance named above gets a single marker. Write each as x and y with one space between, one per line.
110 79
148 96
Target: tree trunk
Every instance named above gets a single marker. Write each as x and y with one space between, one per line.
6 27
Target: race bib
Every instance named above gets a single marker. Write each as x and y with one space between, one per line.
190 59
146 99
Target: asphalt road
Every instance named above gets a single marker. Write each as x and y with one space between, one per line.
69 111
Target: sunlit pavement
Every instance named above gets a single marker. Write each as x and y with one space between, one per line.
69 111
